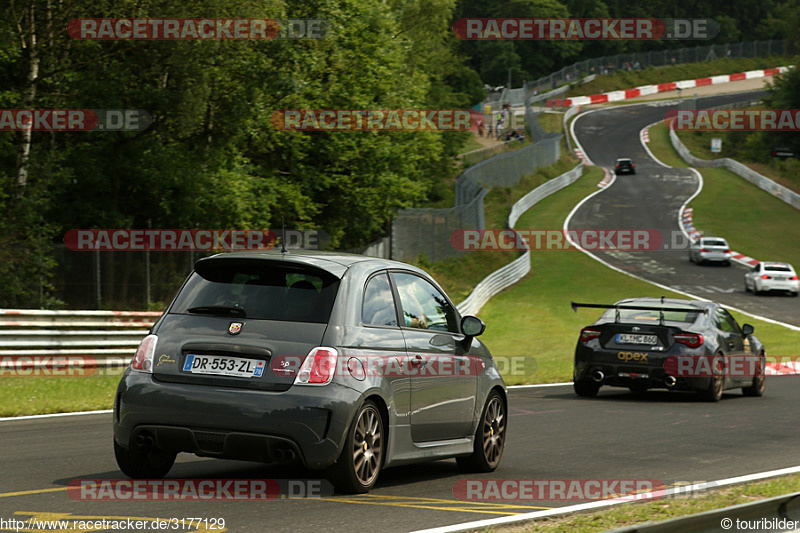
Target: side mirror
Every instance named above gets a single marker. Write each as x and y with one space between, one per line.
747 329
472 326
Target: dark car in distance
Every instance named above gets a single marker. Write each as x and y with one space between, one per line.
624 166
650 343
346 363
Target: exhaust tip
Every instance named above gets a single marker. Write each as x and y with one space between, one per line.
144 440
670 381
598 376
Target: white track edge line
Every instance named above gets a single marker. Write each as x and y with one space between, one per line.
609 503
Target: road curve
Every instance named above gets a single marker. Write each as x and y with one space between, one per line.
651 199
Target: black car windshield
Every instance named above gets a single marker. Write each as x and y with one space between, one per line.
258 290
778 268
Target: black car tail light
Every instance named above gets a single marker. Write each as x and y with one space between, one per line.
143 360
588 334
319 367
692 340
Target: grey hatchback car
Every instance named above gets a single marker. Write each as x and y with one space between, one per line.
346 363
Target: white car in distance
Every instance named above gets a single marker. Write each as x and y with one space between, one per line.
771 276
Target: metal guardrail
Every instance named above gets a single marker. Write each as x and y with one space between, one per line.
519 268
765 513
28 336
759 180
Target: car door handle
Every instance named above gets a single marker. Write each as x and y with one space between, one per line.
417 361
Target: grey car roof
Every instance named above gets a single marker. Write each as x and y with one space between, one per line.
335 263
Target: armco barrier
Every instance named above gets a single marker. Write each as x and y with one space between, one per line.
517 269
767 513
109 337
759 180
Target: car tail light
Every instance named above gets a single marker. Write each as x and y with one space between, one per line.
764 276
143 360
588 334
692 340
728 251
704 250
318 368
793 278
632 165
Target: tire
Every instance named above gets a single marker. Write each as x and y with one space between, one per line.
756 390
139 464
586 388
727 263
358 466
490 437
746 288
716 385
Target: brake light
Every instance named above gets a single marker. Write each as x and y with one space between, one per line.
318 367
793 278
143 360
692 340
728 251
588 334
764 276
704 250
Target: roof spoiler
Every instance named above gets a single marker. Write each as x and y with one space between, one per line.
617 307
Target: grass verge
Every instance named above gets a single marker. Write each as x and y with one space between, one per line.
688 71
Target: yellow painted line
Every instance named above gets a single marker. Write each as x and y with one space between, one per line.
462 502
456 508
36 491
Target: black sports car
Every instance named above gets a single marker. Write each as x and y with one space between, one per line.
649 343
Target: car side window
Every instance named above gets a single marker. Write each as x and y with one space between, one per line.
379 308
726 322
424 307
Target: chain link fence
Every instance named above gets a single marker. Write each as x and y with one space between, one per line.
427 231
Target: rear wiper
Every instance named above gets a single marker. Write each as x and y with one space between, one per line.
218 310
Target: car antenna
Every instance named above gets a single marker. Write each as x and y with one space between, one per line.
662 299
283 238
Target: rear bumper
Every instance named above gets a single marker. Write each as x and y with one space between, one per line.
644 376
714 256
774 285
304 422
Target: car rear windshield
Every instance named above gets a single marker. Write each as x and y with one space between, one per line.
714 242
778 268
651 316
259 290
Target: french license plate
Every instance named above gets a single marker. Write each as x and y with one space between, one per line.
631 338
219 365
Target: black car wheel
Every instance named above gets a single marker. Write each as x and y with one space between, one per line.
586 388
143 464
359 464
490 438
717 382
759 382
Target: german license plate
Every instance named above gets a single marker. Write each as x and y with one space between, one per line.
630 338
220 365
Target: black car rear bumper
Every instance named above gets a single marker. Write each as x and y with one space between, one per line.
305 422
635 376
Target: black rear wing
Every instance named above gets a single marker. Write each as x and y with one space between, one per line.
660 310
